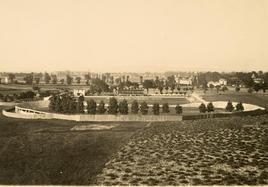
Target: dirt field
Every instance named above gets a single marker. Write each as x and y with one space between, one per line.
48 152
204 152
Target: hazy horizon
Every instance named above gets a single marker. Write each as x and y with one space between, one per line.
133 35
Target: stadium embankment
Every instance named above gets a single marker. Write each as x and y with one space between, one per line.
36 110
26 113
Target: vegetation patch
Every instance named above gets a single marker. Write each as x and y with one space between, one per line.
227 151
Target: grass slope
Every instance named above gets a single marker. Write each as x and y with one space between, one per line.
47 152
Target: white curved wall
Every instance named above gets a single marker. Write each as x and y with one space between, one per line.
222 105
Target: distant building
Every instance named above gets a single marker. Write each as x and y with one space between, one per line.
221 82
79 92
131 92
257 79
185 82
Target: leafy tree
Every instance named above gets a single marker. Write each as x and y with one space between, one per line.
69 79
156 108
211 86
205 86
52 103
113 106
37 80
210 107
135 107
47 78
87 78
224 88
171 83
91 107
202 108
229 107
144 108
11 77
97 86
78 80
54 79
64 103
62 81
123 107
250 90
178 109
165 108
239 106
101 108
1 97
148 84
8 98
71 105
80 105
58 104
217 88
27 95
29 79
36 88
257 87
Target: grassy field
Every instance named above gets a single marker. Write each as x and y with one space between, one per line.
230 151
48 152
254 98
147 99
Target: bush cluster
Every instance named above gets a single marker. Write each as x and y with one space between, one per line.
229 107
14 97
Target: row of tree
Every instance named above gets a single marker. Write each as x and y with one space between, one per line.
67 103
28 95
229 107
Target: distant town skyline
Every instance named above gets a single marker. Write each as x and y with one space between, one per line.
133 36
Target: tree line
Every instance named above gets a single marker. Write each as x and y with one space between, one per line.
229 107
67 103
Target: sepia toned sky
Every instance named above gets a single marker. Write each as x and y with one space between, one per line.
133 35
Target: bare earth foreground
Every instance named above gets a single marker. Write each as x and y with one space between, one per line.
230 151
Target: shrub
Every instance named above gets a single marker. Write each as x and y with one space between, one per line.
144 108
210 107
202 108
135 107
1 97
224 88
123 107
101 108
80 105
239 106
113 106
250 90
8 98
178 109
237 89
27 95
91 107
156 108
165 108
229 107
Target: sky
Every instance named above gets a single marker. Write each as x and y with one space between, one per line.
133 35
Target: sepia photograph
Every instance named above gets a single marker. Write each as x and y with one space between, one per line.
134 92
